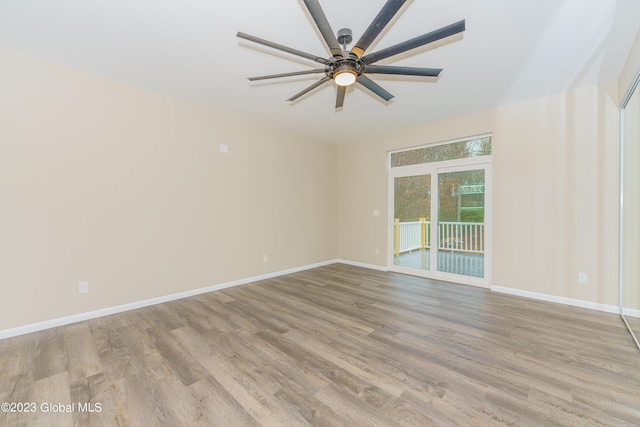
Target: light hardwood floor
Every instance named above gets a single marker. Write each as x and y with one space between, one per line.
634 324
333 346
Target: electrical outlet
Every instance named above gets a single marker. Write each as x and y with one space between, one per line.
376 212
377 251
83 287
224 148
583 278
265 258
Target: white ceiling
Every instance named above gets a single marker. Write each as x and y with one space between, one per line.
512 50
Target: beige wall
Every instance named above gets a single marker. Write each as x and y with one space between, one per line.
555 192
127 189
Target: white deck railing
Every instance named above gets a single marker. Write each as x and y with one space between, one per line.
411 236
452 236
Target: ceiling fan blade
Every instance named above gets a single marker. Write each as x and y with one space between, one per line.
403 71
387 12
323 25
342 90
295 73
374 87
281 47
310 88
431 37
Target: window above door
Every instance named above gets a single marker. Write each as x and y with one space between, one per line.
452 150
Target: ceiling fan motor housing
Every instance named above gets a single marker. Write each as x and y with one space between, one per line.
345 36
344 65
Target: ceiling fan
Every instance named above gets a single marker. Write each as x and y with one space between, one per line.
348 67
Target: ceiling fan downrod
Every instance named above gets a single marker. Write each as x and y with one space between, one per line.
345 37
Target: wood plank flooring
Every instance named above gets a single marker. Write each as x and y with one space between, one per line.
333 346
634 324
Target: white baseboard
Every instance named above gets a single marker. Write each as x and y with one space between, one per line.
528 294
363 265
631 312
35 327
560 300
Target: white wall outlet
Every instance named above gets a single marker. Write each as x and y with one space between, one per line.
583 278
224 148
377 251
376 212
265 258
83 287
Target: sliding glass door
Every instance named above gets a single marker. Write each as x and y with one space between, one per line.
461 222
412 221
441 219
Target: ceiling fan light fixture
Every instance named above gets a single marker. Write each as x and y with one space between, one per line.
345 77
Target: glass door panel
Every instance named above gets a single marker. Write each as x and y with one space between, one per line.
412 221
630 212
461 222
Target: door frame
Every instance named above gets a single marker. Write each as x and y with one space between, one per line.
434 169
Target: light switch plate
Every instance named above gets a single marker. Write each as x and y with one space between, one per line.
83 287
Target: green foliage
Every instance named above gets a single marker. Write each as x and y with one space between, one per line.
475 215
413 197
